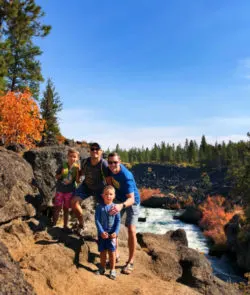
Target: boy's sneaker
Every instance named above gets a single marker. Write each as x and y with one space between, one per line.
100 271
112 274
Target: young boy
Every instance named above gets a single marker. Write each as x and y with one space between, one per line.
108 227
67 176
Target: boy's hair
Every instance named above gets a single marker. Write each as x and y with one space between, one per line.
73 151
109 187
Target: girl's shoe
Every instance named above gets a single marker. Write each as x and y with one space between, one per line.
112 274
100 271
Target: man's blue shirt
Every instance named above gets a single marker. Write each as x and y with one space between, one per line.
124 183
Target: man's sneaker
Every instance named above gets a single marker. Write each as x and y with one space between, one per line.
100 271
112 274
128 268
80 230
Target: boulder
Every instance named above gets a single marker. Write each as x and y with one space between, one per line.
238 244
16 177
190 215
11 277
173 260
45 161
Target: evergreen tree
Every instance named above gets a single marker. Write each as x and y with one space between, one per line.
19 24
50 106
203 151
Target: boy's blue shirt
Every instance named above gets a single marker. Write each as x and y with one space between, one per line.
124 183
105 222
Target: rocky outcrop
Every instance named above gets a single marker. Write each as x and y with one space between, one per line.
190 215
167 202
16 177
239 245
11 276
173 260
45 161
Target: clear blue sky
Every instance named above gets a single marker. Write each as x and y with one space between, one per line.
139 72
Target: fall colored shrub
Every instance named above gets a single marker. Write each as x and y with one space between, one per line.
214 218
60 139
147 193
20 120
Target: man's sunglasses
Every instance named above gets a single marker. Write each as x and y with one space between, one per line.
113 162
94 149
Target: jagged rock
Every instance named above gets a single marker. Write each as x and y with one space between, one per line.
45 162
240 246
173 260
11 277
190 215
15 186
15 147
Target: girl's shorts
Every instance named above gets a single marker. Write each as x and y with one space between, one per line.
63 200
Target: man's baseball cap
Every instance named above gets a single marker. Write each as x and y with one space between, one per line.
95 144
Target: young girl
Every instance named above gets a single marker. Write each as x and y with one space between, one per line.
67 176
108 227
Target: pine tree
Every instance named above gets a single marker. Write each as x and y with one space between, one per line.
19 24
50 106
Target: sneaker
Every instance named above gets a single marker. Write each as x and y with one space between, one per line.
112 274
80 230
128 268
100 271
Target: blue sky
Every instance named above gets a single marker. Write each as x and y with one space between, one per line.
140 72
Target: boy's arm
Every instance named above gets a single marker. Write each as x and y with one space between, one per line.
116 225
100 229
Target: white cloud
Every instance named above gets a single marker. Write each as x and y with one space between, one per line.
93 125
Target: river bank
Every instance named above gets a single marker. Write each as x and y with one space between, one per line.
160 221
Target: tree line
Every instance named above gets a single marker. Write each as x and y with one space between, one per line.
191 153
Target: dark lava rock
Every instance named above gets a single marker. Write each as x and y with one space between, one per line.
15 186
45 161
190 215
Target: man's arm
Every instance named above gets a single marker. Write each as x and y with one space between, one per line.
118 207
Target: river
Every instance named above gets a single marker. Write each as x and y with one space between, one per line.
159 221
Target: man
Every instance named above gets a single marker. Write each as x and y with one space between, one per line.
129 201
95 170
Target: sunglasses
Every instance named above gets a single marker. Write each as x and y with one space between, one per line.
94 149
113 162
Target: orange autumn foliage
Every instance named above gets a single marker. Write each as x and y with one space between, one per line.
215 218
147 193
20 119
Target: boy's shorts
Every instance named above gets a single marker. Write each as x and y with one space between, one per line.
132 214
63 200
106 244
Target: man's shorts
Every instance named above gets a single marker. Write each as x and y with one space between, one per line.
84 192
63 200
132 214
106 244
